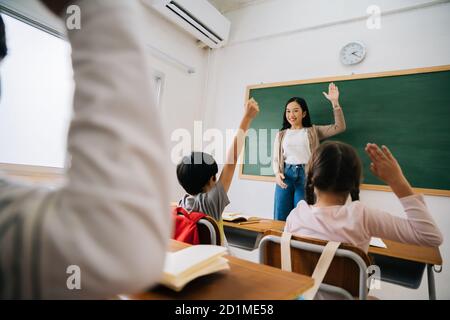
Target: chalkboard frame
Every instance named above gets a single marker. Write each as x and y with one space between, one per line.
434 192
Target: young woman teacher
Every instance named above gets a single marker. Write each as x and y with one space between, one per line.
293 146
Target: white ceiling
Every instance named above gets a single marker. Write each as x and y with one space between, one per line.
230 5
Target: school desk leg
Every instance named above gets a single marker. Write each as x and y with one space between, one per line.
431 286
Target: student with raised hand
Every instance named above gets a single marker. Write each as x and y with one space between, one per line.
197 172
334 172
110 219
293 146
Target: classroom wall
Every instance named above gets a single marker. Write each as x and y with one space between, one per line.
182 100
290 40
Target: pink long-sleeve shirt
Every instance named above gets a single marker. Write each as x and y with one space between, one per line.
355 223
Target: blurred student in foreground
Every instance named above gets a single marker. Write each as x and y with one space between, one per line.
109 217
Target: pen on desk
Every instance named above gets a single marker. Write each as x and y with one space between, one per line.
249 222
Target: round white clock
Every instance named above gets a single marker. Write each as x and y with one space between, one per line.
353 53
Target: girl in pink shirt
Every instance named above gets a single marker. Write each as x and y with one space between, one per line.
334 172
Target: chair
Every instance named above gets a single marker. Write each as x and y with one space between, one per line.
346 276
208 231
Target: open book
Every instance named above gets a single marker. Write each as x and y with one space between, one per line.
187 264
237 217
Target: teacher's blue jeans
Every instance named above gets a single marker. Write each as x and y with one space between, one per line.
287 199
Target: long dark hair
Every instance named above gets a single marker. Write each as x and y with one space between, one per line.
333 167
306 121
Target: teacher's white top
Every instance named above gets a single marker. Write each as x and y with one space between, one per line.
296 148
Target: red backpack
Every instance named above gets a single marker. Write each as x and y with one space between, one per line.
186 229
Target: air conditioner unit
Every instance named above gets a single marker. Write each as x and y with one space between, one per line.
199 17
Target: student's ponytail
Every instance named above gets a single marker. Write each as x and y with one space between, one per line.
310 197
355 194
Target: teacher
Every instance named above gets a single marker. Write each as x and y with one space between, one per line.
293 146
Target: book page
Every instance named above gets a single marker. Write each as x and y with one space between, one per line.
191 258
236 217
377 242
177 284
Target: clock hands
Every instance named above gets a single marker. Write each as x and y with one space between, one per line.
354 53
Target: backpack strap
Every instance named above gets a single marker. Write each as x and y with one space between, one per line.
321 268
193 216
286 264
322 265
180 210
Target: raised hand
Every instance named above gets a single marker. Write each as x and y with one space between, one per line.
251 108
385 166
333 94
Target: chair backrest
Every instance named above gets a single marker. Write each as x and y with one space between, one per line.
348 270
208 231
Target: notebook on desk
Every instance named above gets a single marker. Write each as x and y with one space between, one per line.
185 265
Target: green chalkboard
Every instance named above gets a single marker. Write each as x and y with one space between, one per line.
408 110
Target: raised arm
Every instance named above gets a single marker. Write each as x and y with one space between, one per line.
251 111
418 227
339 120
111 219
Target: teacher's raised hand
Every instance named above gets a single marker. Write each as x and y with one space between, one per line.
332 95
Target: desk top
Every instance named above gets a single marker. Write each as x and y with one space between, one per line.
244 281
428 255
261 226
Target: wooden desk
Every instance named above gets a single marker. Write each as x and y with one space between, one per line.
261 226
427 255
397 252
248 236
407 256
244 281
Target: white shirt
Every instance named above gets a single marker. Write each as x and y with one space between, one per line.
111 219
296 148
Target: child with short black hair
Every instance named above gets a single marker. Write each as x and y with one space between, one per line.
333 173
197 172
